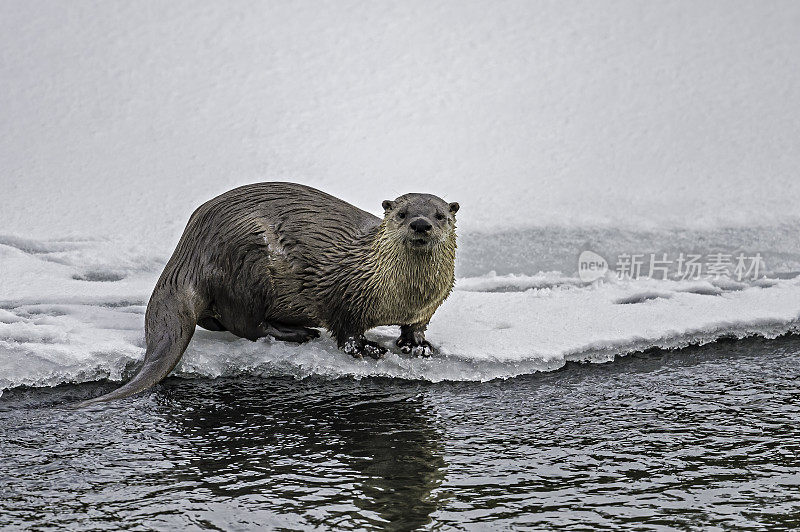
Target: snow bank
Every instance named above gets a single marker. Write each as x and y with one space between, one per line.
84 334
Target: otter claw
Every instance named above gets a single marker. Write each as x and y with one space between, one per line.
422 349
374 350
358 347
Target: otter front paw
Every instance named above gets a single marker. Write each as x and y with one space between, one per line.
360 346
374 350
423 348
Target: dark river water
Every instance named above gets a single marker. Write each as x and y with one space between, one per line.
702 437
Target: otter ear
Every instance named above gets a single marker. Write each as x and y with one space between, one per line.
388 205
454 207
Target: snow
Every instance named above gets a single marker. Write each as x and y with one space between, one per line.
119 119
93 330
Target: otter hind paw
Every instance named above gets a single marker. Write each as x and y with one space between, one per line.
286 333
302 336
420 349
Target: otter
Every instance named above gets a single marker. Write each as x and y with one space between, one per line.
283 259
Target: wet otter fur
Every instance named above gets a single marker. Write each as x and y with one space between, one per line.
280 259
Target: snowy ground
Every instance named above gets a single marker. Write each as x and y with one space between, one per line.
543 119
59 323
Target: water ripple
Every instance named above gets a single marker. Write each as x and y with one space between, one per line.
702 437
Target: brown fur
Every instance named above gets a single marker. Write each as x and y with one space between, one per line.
279 258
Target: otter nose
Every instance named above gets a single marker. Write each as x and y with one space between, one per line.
421 225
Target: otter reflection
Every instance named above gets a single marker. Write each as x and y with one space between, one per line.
337 453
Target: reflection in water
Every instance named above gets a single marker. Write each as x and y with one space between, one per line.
698 438
339 453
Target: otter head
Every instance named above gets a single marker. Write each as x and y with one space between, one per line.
420 221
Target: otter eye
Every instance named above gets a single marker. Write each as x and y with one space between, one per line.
439 216
401 215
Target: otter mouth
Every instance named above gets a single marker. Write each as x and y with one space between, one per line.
419 242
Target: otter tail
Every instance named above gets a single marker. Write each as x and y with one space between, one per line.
169 325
